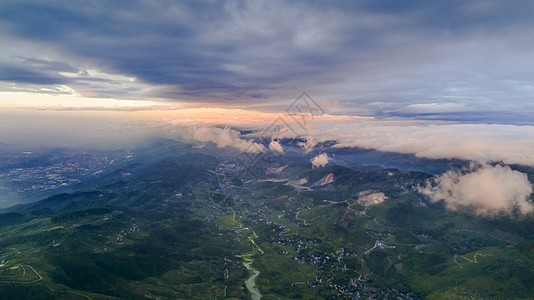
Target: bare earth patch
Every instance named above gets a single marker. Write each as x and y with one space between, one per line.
372 199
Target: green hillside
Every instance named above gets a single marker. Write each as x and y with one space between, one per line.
193 227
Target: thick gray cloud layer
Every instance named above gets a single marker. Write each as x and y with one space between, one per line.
453 60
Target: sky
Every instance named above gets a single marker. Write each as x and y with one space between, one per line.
432 78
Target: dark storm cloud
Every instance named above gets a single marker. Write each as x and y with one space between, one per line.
36 71
20 75
359 52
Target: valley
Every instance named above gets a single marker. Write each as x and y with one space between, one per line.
196 226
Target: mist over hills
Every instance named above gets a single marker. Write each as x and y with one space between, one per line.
180 221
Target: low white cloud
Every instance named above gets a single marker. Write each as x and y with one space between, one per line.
221 137
308 144
482 143
486 189
320 160
275 146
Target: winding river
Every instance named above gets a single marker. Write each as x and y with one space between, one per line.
251 281
247 262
